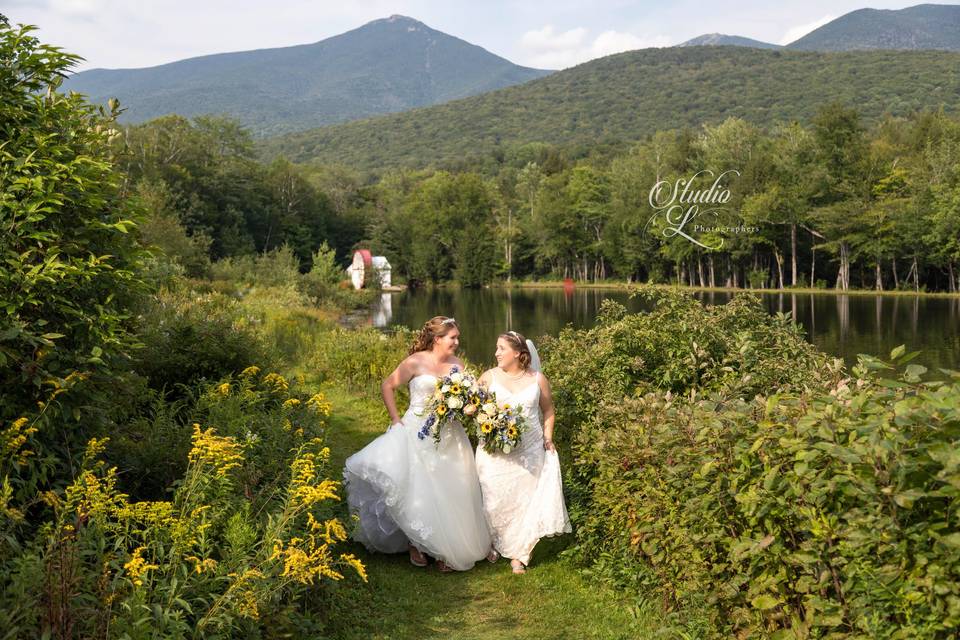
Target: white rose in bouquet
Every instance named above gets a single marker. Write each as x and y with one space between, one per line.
454 402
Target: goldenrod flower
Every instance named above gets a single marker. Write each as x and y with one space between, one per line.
222 453
224 389
354 562
250 371
12 440
137 567
319 404
291 402
278 382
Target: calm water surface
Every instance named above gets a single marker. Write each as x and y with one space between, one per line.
840 325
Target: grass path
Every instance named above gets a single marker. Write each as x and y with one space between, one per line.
552 601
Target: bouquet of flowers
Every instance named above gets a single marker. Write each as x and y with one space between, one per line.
458 397
499 427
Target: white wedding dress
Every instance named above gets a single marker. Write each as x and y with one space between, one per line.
522 490
405 489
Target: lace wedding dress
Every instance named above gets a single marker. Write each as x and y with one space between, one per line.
522 490
407 489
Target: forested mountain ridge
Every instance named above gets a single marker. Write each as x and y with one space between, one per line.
631 95
924 26
387 65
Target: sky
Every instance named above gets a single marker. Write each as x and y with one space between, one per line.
551 35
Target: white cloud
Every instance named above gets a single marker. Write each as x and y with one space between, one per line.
548 48
798 32
548 39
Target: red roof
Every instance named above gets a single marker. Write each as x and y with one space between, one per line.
367 258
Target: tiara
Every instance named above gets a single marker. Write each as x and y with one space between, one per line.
449 321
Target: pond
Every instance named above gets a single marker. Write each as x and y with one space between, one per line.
842 325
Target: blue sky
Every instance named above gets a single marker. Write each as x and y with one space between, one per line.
554 34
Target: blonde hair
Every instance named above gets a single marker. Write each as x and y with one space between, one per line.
519 344
435 327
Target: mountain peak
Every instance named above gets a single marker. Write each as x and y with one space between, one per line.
721 39
398 20
923 26
391 64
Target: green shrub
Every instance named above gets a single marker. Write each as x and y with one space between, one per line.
361 358
798 515
678 346
188 337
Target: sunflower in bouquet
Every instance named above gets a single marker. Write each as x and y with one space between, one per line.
499 427
457 398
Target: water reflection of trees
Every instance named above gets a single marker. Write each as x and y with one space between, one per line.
844 325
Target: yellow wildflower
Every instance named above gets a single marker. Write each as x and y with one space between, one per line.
318 403
250 371
354 562
222 453
202 564
137 566
278 382
224 389
292 402
6 493
12 440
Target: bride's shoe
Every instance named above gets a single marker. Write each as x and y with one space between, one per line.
518 567
493 556
417 558
442 566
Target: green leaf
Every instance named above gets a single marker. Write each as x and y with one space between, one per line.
897 352
764 602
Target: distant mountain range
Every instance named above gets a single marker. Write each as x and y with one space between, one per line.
925 26
397 64
387 65
630 95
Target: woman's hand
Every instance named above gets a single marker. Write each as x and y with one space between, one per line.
548 445
395 424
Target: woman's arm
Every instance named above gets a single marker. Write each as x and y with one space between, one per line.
546 408
399 377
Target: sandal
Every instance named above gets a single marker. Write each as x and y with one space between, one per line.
493 556
442 566
518 569
417 558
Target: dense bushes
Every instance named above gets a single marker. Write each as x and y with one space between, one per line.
793 516
752 486
230 555
187 337
678 346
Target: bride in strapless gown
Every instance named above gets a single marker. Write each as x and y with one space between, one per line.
411 493
522 489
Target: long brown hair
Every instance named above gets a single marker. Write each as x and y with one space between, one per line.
435 327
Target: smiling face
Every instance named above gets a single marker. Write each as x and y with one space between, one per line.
447 345
505 354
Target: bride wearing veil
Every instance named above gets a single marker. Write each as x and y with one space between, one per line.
522 490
